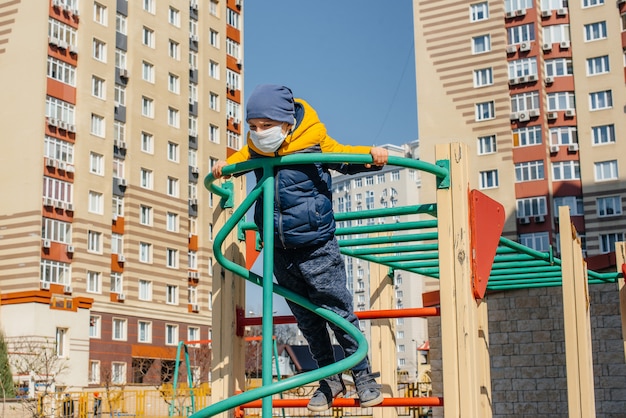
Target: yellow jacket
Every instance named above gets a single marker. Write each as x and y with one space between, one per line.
310 132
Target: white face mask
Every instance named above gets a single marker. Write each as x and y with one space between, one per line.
268 140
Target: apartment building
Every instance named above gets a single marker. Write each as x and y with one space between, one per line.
113 113
536 89
392 186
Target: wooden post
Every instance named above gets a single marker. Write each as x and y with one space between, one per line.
227 348
383 338
463 359
620 257
577 322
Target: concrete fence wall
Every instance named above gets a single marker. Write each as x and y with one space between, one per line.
527 352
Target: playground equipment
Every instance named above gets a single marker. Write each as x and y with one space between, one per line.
458 241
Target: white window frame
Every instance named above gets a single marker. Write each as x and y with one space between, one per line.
606 170
481 44
485 111
488 179
608 206
603 134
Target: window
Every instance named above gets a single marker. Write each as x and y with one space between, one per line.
120 59
99 50
563 135
145 290
171 222
232 18
118 373
117 243
590 3
62 344
595 31
606 170
94 242
144 331
147 143
171 334
538 241
575 204
145 252
601 100
522 67
609 206
149 6
146 178
529 171
100 14
214 134
94 281
98 87
192 260
172 152
172 187
520 33
173 17
60 110
119 95
607 241
559 67
121 24
566 170
97 125
174 49
96 204
214 70
479 11
532 206
55 272
173 83
604 134
193 334
118 206
486 145
556 33
564 100
525 101
147 72
62 71
58 149
527 136
96 163
173 117
117 283
94 371
56 230
214 38
171 295
95 326
598 65
213 9
481 44
485 111
119 329
171 258
147 107
483 77
145 215
488 179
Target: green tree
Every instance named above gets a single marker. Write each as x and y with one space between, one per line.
7 387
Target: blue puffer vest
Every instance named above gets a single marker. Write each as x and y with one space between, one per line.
303 209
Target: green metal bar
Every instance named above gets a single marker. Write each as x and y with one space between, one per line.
370 229
395 249
430 209
526 269
390 239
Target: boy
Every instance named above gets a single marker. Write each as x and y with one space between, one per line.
307 259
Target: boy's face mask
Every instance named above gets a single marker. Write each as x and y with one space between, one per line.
268 140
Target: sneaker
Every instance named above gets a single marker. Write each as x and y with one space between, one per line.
366 387
330 388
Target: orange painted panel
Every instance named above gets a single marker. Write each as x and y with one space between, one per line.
234 34
193 243
61 90
151 351
118 225
531 189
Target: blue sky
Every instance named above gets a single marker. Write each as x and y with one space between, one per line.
352 60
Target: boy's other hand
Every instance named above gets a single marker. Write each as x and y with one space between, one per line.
379 156
217 169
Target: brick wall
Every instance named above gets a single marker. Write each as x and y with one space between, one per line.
527 350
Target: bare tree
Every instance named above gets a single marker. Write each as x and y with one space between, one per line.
113 389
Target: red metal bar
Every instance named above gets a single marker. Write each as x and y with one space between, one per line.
348 402
376 314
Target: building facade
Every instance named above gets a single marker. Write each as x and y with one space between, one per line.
114 112
536 89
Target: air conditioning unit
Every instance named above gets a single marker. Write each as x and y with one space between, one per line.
69 168
564 44
238 3
553 115
63 45
48 201
193 132
193 202
46 243
120 144
239 63
70 249
194 38
69 207
121 258
524 221
546 46
525 46
572 147
59 204
53 41
50 162
561 12
57 3
62 165
45 285
523 79
540 219
514 116
524 117
75 12
121 296
194 274
71 128
570 112
123 182
520 12
532 77
63 125
191 100
123 72
546 13
549 80
67 289
533 113
511 49
195 170
194 5
510 14
73 49
114 217
513 81
554 149
52 122
195 307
